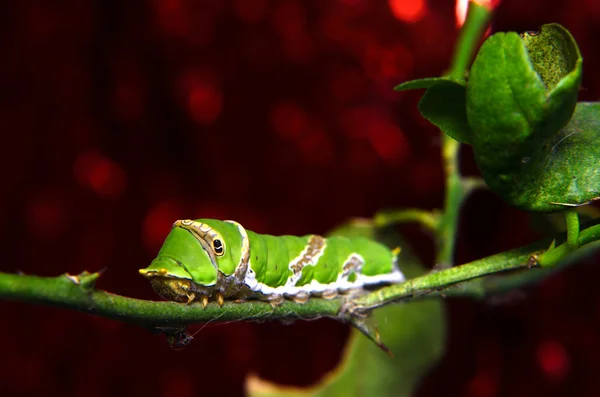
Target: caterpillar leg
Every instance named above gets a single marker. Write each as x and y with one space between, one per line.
300 297
204 300
275 300
190 297
174 289
220 299
329 294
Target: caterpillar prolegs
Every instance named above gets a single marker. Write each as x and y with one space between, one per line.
205 258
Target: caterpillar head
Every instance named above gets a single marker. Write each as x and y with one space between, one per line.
188 262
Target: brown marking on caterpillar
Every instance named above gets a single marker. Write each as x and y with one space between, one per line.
316 245
353 264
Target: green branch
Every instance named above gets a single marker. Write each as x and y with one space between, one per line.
427 219
555 255
572 218
79 293
495 274
496 284
457 187
448 281
477 20
445 224
455 196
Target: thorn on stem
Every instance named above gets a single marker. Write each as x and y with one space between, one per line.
533 261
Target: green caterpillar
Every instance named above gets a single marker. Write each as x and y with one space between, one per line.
209 258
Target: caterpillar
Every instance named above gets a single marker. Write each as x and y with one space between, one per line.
206 258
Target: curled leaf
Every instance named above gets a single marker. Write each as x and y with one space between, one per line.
565 171
520 94
443 104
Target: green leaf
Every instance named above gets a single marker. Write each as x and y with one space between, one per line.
426 83
521 92
414 332
443 104
557 60
564 171
505 97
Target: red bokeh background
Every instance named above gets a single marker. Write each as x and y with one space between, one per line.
120 117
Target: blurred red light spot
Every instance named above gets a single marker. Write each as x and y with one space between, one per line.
389 142
100 174
290 20
46 215
387 63
158 223
289 120
553 359
483 385
177 383
593 7
250 11
408 10
385 137
205 103
462 7
168 6
171 17
333 27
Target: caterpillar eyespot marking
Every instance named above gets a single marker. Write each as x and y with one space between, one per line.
218 247
221 260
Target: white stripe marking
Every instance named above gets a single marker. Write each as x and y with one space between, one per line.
244 254
293 279
314 286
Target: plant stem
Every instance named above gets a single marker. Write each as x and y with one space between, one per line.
457 189
428 219
555 255
78 292
478 278
502 283
476 22
436 283
62 291
572 218
455 195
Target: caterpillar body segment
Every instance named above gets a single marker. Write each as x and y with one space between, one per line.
221 259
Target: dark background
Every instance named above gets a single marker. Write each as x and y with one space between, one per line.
120 117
